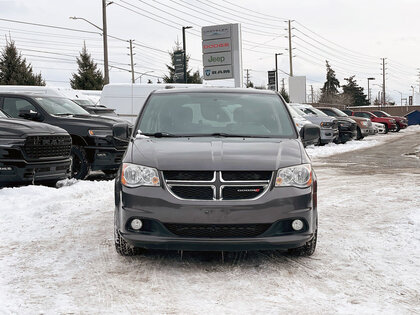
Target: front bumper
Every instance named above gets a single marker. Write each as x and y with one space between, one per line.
105 158
158 208
328 135
368 131
20 172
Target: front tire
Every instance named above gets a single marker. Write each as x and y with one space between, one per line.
386 129
306 250
359 134
79 164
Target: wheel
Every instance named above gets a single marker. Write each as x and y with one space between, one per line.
123 248
386 128
398 128
359 134
306 250
79 166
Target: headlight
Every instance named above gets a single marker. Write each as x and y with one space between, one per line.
100 132
325 124
365 123
136 175
393 121
298 176
8 142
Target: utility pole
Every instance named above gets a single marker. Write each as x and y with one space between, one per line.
383 82
132 62
369 79
312 94
247 77
290 48
105 38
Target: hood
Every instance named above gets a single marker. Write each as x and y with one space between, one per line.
317 120
216 154
91 121
21 127
345 119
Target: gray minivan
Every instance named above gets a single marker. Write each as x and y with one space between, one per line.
216 170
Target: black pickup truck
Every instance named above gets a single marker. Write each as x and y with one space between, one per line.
32 152
96 142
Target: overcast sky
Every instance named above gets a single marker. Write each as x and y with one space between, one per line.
352 35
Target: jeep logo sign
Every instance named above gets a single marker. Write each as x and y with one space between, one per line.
217 59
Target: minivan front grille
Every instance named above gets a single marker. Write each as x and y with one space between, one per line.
37 147
189 175
217 185
217 230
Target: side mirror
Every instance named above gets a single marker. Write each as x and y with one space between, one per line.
310 132
121 131
29 114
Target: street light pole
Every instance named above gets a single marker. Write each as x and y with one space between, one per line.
105 38
184 50
277 79
368 79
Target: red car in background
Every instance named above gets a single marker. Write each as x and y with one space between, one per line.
402 122
390 123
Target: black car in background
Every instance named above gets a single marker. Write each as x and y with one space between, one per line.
95 109
347 127
32 152
97 143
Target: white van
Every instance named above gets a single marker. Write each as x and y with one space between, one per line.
128 99
81 97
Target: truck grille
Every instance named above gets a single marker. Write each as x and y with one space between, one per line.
217 230
37 147
217 185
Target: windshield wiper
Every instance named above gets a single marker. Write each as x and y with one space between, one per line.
227 135
64 114
158 134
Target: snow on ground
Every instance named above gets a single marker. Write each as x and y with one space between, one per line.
57 256
367 142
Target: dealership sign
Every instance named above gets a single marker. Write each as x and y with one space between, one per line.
222 52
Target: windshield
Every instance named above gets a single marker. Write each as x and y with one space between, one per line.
313 111
60 106
83 102
381 114
216 114
340 113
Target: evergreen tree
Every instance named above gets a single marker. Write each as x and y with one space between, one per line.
249 84
353 93
191 78
88 76
329 91
14 70
285 95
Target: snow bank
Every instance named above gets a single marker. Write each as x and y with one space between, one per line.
367 142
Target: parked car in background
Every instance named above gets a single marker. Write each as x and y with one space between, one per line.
379 127
328 125
390 123
300 122
364 125
216 170
96 142
32 152
402 122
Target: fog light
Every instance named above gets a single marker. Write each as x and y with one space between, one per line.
136 224
297 225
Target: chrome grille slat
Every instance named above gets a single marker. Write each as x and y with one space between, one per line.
245 189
